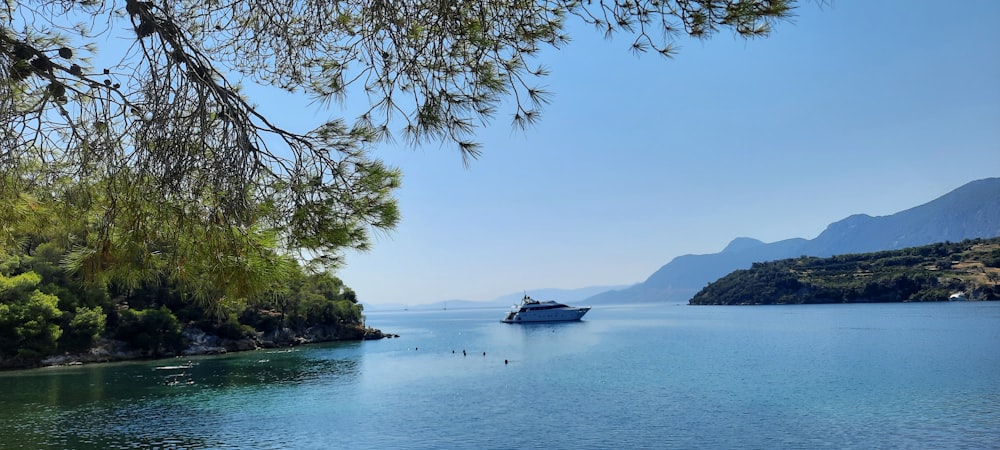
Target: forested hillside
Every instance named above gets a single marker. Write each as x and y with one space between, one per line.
926 273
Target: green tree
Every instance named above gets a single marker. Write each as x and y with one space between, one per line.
28 327
153 330
86 325
163 138
322 299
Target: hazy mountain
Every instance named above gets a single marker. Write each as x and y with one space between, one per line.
571 296
559 295
971 211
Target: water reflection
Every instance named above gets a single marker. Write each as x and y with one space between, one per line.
274 368
190 400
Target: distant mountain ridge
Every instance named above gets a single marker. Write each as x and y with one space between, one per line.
969 212
571 296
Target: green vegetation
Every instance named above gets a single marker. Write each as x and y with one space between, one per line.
928 273
27 317
58 295
62 313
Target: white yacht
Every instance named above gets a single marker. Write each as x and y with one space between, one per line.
531 310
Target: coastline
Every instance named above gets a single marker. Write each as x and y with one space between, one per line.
197 342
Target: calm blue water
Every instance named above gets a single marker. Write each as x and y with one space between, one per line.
826 376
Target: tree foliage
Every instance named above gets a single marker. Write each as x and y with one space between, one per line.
47 306
28 316
59 292
161 134
86 326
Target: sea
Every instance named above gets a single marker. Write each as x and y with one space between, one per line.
921 376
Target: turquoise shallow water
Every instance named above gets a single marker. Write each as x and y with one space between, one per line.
822 376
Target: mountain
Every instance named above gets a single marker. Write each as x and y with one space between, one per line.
685 275
969 212
570 296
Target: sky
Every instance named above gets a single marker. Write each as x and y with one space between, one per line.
851 107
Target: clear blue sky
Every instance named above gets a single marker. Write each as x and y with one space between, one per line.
853 107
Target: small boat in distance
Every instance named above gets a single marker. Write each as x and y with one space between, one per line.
531 310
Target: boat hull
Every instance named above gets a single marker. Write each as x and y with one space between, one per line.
560 315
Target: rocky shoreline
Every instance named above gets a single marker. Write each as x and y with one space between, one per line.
197 342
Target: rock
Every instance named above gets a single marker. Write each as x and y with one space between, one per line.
241 345
104 350
201 343
374 334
